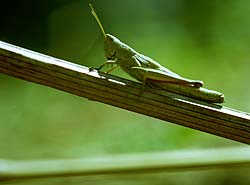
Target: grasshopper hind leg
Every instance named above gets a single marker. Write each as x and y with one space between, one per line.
189 83
144 84
161 76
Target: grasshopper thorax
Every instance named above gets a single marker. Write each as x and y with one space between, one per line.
116 49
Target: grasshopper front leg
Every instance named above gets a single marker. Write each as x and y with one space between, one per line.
112 62
112 68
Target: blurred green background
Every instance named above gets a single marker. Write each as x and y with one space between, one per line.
206 40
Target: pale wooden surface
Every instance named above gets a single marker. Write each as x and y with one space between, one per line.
93 85
11 170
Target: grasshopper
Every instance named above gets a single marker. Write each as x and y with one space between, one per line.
150 72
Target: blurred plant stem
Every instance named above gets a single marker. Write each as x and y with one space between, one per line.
126 163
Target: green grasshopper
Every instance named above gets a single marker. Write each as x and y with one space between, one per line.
150 72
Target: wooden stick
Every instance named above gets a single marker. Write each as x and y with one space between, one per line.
94 85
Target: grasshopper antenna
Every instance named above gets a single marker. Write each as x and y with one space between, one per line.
97 20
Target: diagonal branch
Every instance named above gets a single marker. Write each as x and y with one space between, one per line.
93 85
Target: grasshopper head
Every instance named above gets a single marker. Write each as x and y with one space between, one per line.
110 46
110 42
